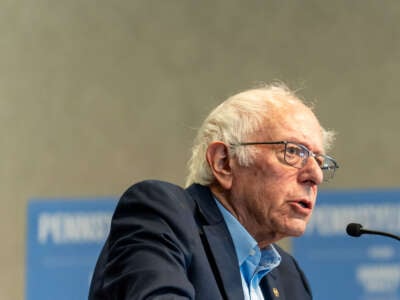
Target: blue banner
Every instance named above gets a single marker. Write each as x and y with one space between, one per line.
64 239
348 268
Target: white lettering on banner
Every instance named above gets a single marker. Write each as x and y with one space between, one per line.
80 227
381 252
379 278
332 219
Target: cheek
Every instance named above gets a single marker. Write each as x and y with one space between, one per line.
264 186
268 186
268 201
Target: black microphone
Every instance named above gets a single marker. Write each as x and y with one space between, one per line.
355 229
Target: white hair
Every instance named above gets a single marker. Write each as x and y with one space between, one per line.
233 121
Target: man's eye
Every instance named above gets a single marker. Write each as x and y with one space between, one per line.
294 151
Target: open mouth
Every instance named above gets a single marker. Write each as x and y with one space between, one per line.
304 204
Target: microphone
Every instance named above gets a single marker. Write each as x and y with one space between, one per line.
355 230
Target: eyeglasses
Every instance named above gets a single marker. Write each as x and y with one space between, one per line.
296 155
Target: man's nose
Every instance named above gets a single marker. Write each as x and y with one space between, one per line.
312 172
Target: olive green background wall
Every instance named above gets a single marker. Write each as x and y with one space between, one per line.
95 95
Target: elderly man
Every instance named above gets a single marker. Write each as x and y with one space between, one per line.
255 168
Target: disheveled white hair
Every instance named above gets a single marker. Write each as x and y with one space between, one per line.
233 121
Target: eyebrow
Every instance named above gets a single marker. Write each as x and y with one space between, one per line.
295 140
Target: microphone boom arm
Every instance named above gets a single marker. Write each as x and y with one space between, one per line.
381 233
355 230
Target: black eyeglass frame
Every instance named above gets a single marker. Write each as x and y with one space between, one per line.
304 160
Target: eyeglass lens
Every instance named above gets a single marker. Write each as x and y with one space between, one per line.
297 156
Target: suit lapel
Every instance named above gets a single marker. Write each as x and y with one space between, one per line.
225 259
272 287
218 243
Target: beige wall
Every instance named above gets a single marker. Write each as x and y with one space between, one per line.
95 95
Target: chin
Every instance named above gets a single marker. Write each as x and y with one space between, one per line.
297 233
296 230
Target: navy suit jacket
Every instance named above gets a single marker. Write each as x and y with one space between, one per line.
166 242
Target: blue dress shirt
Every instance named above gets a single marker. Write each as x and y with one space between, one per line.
254 263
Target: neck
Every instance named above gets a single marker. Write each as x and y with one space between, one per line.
263 238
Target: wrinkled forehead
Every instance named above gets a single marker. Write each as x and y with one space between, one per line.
294 121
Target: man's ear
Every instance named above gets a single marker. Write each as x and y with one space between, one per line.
219 161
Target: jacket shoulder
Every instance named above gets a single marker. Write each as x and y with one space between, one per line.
157 192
